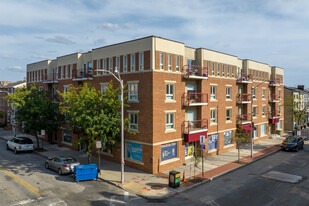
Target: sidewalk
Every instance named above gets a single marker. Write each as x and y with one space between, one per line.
140 183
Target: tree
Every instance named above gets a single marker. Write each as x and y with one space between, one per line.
295 109
196 161
94 115
34 110
241 137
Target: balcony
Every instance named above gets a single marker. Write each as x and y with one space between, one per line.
274 82
192 130
243 119
274 117
243 98
51 78
82 74
195 99
244 78
195 72
274 98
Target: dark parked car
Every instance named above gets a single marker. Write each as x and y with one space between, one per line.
63 165
293 143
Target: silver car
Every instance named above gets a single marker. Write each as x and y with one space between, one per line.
62 164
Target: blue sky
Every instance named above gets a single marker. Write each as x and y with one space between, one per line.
271 31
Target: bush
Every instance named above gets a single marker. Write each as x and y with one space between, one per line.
278 132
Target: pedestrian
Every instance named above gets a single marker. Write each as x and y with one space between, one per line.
293 132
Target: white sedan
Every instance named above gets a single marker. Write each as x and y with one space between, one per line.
18 144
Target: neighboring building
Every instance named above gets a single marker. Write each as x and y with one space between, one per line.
4 83
176 94
9 116
297 97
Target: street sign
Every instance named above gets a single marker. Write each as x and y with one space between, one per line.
42 132
98 144
202 142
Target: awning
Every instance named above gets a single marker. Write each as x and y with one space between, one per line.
247 127
194 137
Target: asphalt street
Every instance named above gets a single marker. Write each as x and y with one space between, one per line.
25 181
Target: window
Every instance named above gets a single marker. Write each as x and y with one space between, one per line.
223 70
263 93
213 69
133 91
141 61
254 93
213 141
228 136
67 75
39 72
63 72
228 92
99 66
170 123
104 87
279 125
254 111
218 70
177 63
228 71
133 116
279 93
169 62
66 88
111 64
263 110
213 116
125 63
228 114
118 63
67 136
263 129
161 61
132 62
213 92
170 92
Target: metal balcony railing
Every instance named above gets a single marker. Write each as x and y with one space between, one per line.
244 78
195 72
195 99
274 114
82 73
195 126
243 98
243 118
274 82
274 98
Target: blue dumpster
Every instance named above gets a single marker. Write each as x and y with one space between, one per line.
85 172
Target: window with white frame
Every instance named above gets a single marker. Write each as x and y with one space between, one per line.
133 117
279 109
104 66
111 64
233 71
213 118
125 63
133 91
263 93
218 69
99 66
141 61
228 93
254 93
279 93
254 111
263 110
132 62
263 129
213 69
118 63
213 92
104 87
66 88
223 70
228 114
228 71
170 94
177 63
170 121
169 60
161 61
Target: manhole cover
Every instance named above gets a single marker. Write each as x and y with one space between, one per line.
157 187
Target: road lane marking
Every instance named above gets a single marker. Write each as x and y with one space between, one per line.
22 182
23 202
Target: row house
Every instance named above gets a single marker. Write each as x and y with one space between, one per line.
176 95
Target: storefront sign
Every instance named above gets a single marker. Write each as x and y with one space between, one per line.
213 141
98 144
134 151
228 137
202 142
168 151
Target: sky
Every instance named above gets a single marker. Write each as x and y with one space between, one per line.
275 32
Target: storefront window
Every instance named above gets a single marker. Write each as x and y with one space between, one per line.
228 137
168 151
67 136
213 141
189 149
134 151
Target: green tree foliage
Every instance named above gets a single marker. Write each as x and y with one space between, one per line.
241 137
196 161
94 115
294 109
34 110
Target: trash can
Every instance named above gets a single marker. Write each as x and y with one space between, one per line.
174 179
85 172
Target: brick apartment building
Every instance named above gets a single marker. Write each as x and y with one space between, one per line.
9 113
176 94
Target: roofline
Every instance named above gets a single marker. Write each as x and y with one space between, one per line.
256 62
68 55
40 61
218 52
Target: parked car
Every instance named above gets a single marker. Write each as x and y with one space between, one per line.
62 164
18 144
293 143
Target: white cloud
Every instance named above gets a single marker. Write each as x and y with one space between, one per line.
109 26
60 40
40 56
14 68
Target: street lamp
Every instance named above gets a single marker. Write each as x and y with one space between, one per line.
252 131
122 131
13 125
